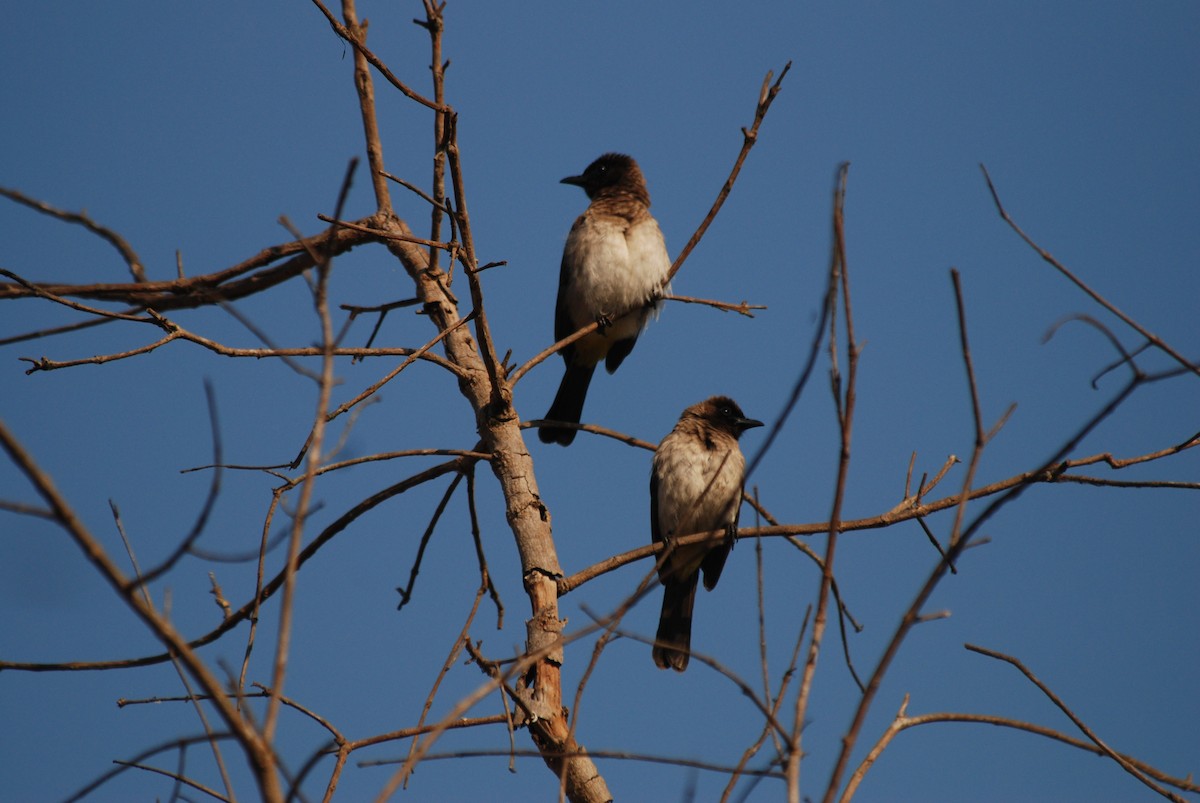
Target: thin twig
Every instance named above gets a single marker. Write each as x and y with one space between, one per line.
742 308
766 96
406 591
1099 299
461 639
316 444
136 268
1079 723
360 47
976 414
845 404
912 616
258 753
214 490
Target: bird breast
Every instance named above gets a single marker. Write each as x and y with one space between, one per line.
699 488
615 267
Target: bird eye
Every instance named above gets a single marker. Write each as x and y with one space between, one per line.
727 412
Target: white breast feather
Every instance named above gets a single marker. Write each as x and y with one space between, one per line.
617 269
689 498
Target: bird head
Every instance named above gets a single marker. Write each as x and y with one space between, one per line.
610 171
724 413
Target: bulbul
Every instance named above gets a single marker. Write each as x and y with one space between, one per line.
614 267
695 486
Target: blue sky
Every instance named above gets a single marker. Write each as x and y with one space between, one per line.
192 129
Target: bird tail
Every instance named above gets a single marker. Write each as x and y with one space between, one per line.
672 645
568 404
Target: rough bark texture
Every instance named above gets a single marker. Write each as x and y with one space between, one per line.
499 428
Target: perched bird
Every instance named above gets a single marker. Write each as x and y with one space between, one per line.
614 266
695 486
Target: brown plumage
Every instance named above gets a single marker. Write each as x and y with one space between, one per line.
695 486
614 264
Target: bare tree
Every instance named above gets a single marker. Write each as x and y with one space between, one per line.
244 713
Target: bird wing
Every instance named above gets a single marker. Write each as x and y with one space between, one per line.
656 532
714 561
562 314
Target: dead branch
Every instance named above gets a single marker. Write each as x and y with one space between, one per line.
1096 740
136 267
903 722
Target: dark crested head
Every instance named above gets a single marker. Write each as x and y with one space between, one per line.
611 171
723 413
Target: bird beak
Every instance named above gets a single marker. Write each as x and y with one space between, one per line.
576 180
748 423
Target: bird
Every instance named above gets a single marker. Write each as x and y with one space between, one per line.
695 486
614 270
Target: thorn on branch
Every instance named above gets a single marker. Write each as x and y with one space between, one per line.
355 309
482 268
